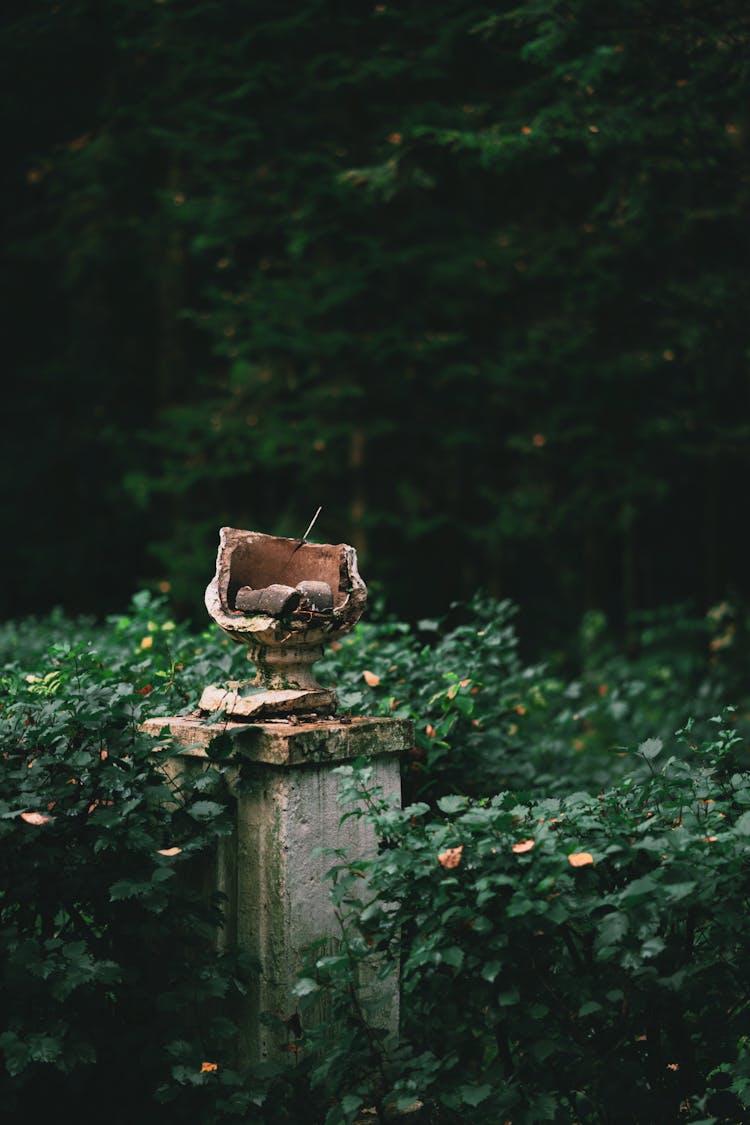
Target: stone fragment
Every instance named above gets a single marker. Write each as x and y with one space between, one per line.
275 600
318 595
252 704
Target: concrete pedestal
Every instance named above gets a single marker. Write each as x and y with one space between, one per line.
277 902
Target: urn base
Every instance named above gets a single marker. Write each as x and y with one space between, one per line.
242 701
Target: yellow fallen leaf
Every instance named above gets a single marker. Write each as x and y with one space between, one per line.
147 642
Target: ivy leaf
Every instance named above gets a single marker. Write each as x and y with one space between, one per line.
305 986
127 888
613 928
473 1095
742 827
16 1053
652 947
44 1048
678 891
350 1103
221 747
453 956
205 810
452 804
544 1107
639 888
651 747
490 969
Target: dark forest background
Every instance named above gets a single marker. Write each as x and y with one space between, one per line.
472 276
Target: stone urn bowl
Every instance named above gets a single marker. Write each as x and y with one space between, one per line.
285 599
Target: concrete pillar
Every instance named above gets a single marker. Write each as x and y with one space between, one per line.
281 776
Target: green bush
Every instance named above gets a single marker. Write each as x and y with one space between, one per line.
486 720
114 995
527 984
583 958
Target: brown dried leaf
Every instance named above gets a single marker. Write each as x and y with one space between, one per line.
580 859
35 818
371 679
451 857
523 846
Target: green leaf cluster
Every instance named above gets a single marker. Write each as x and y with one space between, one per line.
116 985
580 958
532 989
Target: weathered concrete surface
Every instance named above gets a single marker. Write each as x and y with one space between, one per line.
283 743
286 808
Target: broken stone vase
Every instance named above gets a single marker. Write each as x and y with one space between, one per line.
285 599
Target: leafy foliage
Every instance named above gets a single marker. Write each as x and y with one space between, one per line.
484 719
115 993
576 958
552 897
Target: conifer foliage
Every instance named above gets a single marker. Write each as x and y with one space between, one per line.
470 275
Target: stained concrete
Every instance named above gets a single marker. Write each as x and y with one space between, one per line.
281 776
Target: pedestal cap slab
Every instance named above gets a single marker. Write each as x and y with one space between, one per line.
284 743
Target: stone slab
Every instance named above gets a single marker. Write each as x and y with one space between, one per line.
265 704
283 743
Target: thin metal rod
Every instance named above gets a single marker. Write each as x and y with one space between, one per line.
312 524
300 542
